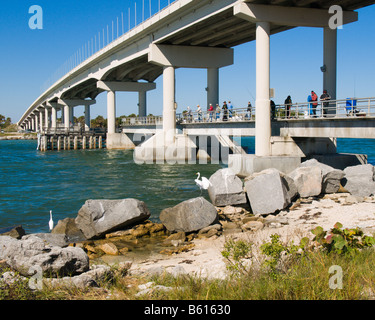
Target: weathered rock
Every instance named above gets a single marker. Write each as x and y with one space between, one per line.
359 180
226 189
98 217
308 181
331 177
26 256
190 215
252 226
267 191
58 240
109 248
16 232
175 238
82 281
69 228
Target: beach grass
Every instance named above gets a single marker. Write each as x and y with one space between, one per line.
312 276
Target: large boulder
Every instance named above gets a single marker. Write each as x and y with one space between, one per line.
268 191
308 181
98 217
68 227
30 255
226 189
331 177
190 215
359 180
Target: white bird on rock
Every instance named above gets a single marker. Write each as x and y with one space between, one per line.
204 183
50 223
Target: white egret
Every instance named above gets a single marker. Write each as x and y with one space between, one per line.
50 223
204 183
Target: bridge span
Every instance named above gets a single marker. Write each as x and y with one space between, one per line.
199 34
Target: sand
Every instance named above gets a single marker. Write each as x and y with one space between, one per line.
206 260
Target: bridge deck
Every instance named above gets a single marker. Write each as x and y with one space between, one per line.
348 118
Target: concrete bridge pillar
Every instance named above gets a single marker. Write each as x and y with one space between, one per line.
66 117
41 120
111 111
71 115
169 104
263 110
32 123
212 86
330 62
142 104
53 116
37 128
87 117
46 118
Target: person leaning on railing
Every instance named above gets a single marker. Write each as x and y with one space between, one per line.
325 97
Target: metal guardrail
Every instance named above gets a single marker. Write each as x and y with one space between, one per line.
344 108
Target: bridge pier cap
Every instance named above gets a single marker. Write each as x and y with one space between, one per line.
190 57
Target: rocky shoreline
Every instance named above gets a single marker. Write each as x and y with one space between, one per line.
18 136
190 236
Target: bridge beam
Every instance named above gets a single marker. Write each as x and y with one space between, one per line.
289 16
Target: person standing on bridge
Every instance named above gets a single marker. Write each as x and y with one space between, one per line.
199 111
230 109
325 97
218 111
225 111
211 111
314 99
249 109
288 104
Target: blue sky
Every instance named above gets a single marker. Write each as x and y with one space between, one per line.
29 57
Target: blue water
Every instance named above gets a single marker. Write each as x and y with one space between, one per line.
32 183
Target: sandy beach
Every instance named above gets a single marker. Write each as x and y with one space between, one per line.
205 258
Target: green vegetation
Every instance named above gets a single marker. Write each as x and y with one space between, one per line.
274 271
5 121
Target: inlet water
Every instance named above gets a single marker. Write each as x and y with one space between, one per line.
32 183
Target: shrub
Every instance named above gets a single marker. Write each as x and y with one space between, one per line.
342 241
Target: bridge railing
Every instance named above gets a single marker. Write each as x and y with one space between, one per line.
344 108
134 121
350 107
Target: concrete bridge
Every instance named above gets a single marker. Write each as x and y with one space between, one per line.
192 34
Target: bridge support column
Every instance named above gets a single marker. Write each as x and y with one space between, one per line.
212 87
330 62
142 104
111 112
66 117
87 118
169 103
71 115
33 123
53 116
263 110
46 118
41 120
